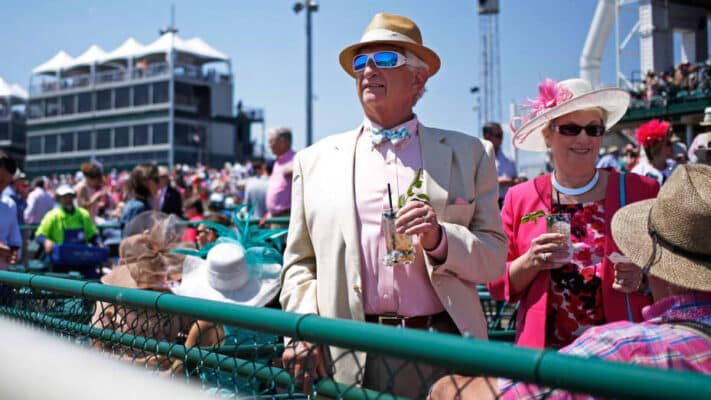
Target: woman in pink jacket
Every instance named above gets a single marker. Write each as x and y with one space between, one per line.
567 282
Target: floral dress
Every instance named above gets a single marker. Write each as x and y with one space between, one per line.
575 293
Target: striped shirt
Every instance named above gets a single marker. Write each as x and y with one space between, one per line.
653 343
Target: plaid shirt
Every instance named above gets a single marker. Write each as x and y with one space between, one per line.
651 343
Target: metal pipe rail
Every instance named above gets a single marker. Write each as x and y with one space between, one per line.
458 354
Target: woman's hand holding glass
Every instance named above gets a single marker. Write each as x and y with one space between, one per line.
541 254
629 277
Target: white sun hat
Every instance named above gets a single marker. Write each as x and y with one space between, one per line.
225 276
556 99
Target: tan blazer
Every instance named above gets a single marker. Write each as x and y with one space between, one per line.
322 264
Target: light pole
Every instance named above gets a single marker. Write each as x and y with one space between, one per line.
309 6
477 108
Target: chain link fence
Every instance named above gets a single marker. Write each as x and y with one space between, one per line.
235 351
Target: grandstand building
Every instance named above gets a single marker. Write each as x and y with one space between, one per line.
12 120
166 102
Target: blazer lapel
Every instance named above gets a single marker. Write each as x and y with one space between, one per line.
345 159
436 166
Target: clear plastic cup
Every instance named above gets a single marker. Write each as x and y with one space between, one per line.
399 246
560 223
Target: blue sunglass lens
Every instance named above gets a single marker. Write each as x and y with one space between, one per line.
385 59
359 62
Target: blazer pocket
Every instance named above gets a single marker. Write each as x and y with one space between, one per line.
459 214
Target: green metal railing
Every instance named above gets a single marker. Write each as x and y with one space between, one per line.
269 221
452 353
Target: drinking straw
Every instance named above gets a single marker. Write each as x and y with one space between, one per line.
390 198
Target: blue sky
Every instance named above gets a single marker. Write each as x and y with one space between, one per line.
266 40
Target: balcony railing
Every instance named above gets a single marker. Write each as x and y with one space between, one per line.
138 73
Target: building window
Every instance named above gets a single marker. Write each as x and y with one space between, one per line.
140 95
140 135
189 135
83 140
35 109
67 105
103 139
103 99
84 100
121 138
160 92
66 142
123 97
51 107
4 131
160 133
35 144
50 144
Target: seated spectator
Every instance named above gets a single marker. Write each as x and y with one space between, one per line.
702 139
67 224
655 138
91 194
207 235
609 160
663 235
630 158
143 184
145 262
227 276
193 211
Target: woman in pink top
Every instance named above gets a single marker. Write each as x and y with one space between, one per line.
193 212
562 292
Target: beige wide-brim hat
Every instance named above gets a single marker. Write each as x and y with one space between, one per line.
395 30
680 216
225 276
145 258
614 101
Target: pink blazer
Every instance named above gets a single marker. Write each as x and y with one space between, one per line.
536 195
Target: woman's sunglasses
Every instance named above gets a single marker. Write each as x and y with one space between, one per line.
382 59
574 130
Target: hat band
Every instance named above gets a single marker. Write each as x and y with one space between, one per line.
665 243
385 34
225 281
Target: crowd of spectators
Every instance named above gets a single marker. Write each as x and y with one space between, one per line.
659 88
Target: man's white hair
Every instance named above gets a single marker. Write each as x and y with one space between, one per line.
415 63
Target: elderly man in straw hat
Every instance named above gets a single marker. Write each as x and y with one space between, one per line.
334 260
670 239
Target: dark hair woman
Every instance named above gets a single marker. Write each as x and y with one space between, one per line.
142 188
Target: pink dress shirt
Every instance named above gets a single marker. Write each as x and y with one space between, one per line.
405 290
279 189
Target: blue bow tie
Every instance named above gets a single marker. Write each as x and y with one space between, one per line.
394 136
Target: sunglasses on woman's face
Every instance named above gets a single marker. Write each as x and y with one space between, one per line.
382 59
593 130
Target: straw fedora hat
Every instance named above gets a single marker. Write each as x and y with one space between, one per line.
556 99
670 234
226 276
395 30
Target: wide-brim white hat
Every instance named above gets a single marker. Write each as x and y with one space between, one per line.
225 276
568 96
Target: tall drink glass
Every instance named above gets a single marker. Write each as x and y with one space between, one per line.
399 247
560 223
